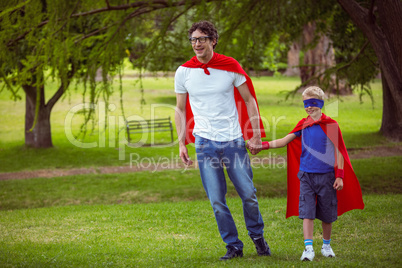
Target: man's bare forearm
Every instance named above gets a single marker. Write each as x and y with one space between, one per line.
180 118
252 112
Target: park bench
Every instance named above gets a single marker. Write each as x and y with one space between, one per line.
150 125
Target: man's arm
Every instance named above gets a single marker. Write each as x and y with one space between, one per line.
252 112
180 119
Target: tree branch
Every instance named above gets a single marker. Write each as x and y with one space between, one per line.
355 57
371 12
141 4
57 95
53 100
65 23
131 15
94 33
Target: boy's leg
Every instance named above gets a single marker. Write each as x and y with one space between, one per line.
326 230
326 249
308 229
327 208
307 209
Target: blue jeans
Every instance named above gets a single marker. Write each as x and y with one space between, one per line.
212 157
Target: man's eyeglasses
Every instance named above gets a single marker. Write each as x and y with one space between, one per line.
201 39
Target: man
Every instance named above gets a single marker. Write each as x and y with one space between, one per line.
213 94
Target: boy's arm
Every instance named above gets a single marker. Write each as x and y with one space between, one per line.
338 184
340 160
272 144
281 142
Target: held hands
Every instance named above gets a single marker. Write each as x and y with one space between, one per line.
255 145
338 184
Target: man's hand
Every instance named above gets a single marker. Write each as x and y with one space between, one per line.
338 184
254 145
184 155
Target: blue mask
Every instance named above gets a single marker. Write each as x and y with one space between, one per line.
313 103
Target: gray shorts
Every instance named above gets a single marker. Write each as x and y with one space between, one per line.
317 196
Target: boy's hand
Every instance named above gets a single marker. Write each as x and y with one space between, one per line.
254 145
338 184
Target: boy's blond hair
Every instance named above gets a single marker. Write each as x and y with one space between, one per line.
315 92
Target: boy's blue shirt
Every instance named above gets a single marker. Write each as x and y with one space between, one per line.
318 153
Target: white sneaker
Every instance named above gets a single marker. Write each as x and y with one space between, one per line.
327 251
308 254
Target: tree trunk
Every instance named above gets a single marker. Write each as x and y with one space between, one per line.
382 25
40 136
293 60
391 126
317 58
308 69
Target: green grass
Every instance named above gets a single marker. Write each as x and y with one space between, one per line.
360 123
376 176
184 234
162 218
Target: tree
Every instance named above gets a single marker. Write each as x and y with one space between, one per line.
318 56
366 35
71 40
381 23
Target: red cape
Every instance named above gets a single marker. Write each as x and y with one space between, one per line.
350 197
229 64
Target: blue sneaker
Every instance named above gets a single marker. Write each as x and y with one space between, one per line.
232 252
261 246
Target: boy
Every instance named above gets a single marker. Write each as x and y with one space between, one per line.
316 156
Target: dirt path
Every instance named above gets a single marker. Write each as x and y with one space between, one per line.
377 151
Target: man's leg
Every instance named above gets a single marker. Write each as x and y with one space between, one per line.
238 166
213 180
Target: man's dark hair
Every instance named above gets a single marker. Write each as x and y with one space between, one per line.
206 27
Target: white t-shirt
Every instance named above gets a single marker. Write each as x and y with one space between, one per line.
212 101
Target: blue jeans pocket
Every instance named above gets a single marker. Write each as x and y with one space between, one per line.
239 142
199 144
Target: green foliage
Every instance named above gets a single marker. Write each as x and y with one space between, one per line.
75 40
86 43
256 32
355 57
274 53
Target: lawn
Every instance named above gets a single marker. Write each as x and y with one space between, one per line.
162 218
359 121
184 234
